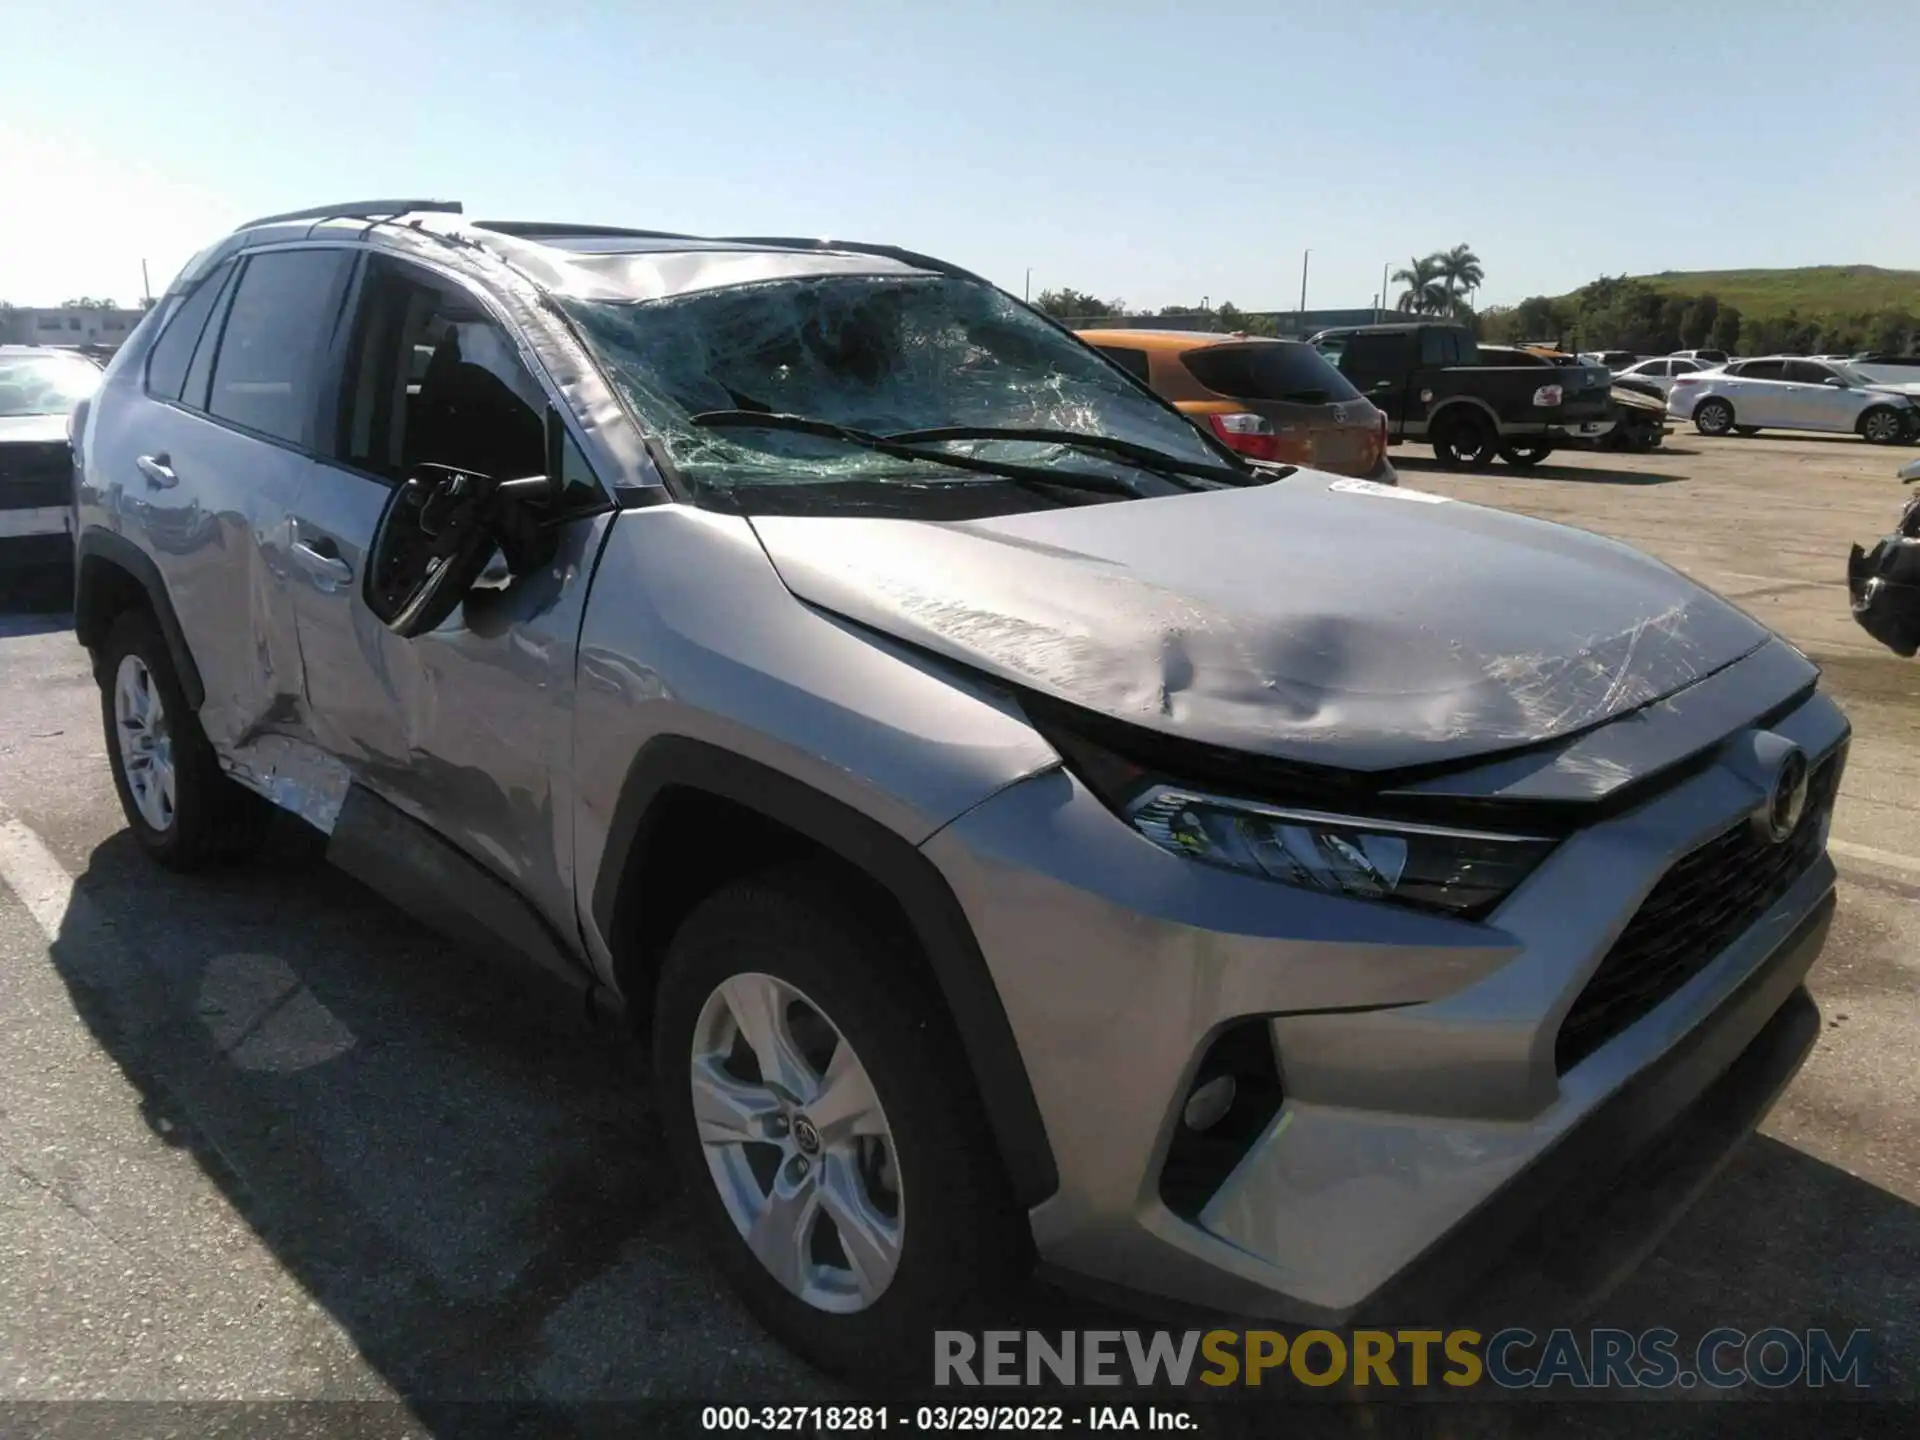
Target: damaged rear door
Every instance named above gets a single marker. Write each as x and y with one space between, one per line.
204 471
469 726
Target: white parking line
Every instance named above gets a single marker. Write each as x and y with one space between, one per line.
40 880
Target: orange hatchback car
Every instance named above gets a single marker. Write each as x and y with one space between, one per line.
1269 399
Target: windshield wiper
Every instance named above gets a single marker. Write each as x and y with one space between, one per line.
1143 455
892 445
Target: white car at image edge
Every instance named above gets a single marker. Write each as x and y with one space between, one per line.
1778 392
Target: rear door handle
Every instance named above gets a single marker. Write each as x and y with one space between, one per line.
320 557
159 471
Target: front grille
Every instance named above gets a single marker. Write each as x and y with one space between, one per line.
35 473
1701 906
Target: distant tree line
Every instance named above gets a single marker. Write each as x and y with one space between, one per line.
1622 313
1078 305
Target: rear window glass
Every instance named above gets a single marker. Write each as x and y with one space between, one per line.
167 363
1134 362
282 313
1269 370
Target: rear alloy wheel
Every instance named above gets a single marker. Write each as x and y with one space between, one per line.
1465 441
182 808
816 1101
1883 425
1524 457
1713 417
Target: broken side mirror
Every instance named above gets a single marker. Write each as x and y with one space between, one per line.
436 535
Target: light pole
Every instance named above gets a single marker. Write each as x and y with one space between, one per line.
1383 287
1305 255
1029 294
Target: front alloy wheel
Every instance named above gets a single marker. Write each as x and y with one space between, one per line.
1882 427
797 1143
146 744
814 1090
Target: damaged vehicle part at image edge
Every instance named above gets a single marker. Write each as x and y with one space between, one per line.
948 826
1884 583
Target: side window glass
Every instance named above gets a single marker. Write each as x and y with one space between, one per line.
1763 370
194 392
168 360
1133 361
1436 347
270 347
578 484
434 380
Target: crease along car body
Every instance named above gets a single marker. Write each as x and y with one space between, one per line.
1025 830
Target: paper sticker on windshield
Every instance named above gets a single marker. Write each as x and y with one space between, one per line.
1387 492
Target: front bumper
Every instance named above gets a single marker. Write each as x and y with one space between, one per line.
1424 1119
1580 430
35 535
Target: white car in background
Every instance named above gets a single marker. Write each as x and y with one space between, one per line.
1778 392
1661 372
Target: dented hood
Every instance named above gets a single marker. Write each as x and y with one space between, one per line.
1326 621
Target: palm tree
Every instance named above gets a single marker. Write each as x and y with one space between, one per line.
1460 269
1423 295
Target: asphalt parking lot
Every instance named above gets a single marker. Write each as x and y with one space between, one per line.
261 1137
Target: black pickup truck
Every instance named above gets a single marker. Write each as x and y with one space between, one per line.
1429 380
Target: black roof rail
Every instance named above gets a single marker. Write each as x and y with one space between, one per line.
357 210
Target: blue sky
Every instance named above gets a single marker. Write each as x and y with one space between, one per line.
1154 152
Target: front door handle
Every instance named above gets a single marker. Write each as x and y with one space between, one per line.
159 471
320 557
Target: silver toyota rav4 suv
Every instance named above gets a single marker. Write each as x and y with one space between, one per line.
1028 834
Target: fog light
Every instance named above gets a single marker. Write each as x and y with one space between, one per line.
1208 1105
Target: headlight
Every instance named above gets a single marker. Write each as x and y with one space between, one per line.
1462 872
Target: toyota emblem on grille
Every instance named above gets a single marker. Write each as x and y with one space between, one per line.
1788 802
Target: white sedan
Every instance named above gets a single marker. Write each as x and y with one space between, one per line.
1786 393
1662 372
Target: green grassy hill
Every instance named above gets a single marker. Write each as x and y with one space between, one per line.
1812 290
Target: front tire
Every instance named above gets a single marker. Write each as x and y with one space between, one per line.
817 1105
182 808
1883 425
1713 417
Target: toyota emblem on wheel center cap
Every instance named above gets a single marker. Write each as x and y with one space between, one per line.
804 1134
1788 801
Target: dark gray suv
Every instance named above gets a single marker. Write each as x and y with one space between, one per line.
1025 830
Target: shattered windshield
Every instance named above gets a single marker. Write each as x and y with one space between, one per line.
883 355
